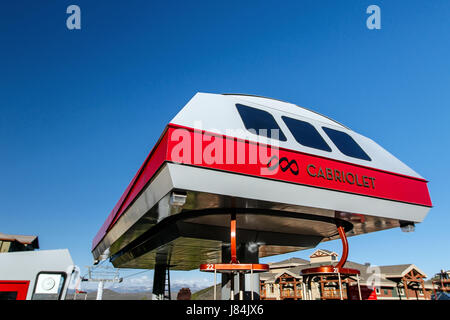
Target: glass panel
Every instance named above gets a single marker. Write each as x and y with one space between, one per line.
8 295
306 134
256 119
346 144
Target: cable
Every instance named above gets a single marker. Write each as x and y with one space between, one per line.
134 274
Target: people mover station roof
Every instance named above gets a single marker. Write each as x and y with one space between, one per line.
288 174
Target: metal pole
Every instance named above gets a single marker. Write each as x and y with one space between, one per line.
159 282
359 287
233 238
232 287
251 282
215 282
344 256
310 288
308 297
241 285
168 282
340 285
100 290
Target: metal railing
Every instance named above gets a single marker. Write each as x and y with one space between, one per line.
290 293
333 294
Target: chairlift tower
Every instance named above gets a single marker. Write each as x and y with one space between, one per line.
105 274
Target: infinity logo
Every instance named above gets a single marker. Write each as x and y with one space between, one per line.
284 164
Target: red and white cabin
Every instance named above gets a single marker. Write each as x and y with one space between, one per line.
288 187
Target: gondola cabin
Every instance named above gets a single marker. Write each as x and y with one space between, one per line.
290 175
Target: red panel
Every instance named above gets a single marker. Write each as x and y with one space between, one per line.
21 287
366 293
330 270
230 267
300 168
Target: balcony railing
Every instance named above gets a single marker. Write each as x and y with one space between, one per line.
333 294
290 294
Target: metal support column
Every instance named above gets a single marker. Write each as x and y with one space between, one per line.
359 287
159 281
247 285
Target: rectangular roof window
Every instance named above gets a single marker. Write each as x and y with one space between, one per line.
260 122
346 144
306 134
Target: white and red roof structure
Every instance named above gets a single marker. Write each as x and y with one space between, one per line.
289 174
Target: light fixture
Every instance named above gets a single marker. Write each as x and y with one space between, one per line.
407 226
178 199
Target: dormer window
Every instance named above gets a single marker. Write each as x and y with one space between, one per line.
346 144
260 122
306 134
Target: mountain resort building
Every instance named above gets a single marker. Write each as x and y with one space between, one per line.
287 280
14 243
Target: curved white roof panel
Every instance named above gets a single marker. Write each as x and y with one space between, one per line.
217 113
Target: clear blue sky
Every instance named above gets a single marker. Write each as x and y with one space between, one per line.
81 109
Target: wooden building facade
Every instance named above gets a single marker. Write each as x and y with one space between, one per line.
396 282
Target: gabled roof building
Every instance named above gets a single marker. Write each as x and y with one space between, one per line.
12 243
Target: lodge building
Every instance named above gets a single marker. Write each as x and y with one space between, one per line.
285 280
14 243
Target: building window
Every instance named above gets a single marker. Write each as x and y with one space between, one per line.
5 246
394 293
346 144
8 295
260 122
306 134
